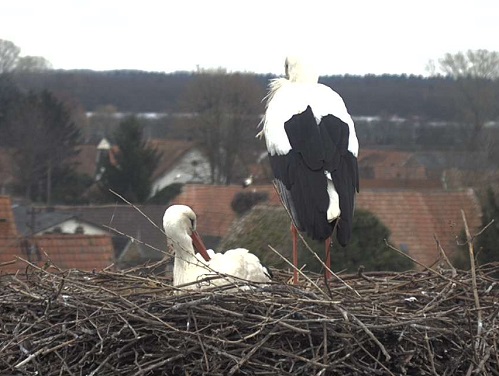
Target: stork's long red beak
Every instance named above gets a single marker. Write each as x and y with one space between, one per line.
199 245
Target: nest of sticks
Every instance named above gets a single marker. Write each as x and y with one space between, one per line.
435 322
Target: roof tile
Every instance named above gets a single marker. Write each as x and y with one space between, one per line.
7 222
82 252
414 217
212 204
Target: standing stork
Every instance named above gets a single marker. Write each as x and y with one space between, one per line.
313 150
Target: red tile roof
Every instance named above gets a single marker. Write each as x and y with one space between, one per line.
397 183
212 205
144 225
387 158
414 217
7 223
82 252
390 164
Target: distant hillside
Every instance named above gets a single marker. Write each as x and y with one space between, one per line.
138 91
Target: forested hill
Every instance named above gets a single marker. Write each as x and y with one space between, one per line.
138 91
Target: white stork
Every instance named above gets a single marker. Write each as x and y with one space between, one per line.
179 223
313 150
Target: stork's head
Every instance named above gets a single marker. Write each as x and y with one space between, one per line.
179 218
179 222
300 69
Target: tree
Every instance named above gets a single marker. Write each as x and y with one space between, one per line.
9 96
263 226
368 247
130 172
43 139
32 64
226 108
476 73
244 201
10 60
9 54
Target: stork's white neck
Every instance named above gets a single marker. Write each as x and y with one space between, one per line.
300 69
184 259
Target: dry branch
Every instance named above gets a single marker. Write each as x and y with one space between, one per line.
55 322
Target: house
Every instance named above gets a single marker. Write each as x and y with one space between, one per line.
65 251
136 232
212 205
395 169
389 164
82 252
418 218
181 162
7 223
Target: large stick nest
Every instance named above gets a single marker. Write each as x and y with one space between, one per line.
437 322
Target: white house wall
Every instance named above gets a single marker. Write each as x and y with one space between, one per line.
193 167
70 226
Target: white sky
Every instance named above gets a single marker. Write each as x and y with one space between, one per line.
347 36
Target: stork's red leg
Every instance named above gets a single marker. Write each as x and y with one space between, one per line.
328 258
294 233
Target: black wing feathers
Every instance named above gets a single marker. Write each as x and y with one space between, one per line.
305 138
302 183
302 173
344 173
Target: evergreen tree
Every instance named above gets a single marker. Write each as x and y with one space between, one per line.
263 226
368 248
130 172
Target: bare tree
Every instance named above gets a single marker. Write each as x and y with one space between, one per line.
475 73
9 54
11 61
471 64
32 64
225 108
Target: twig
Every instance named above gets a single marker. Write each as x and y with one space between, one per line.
478 341
430 353
444 255
250 353
373 337
420 263
326 267
299 271
114 323
136 208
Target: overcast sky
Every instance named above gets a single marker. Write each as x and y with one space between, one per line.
346 37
